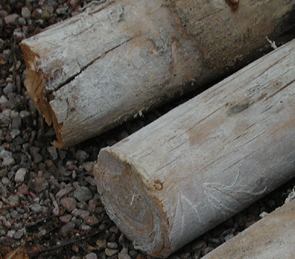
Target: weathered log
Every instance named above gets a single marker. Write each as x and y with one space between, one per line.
271 237
205 160
121 57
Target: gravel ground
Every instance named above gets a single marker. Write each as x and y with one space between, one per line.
49 206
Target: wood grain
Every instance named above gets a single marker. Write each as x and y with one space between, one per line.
205 160
117 59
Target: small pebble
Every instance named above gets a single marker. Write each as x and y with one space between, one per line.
2 44
26 13
133 253
3 190
13 199
91 256
124 254
111 252
112 245
8 89
82 193
35 207
15 133
11 19
20 175
80 213
66 218
88 166
67 229
69 203
11 233
6 181
53 152
64 191
91 220
18 234
40 184
101 243
3 100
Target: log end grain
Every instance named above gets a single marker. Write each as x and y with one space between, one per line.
35 83
130 205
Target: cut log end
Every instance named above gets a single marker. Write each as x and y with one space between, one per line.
35 84
130 206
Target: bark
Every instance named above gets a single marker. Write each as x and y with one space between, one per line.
205 160
121 57
271 237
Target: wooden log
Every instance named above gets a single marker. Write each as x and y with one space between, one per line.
121 57
271 237
205 160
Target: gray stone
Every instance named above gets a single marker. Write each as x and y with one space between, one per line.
111 252
101 243
7 158
11 233
91 220
24 114
199 245
18 34
2 44
18 234
114 229
81 156
80 213
62 10
69 203
40 184
82 205
53 152
88 166
16 122
91 256
7 53
82 193
124 254
5 154
67 229
6 181
65 191
11 19
14 133
8 161
26 13
35 154
112 245
35 207
8 89
18 140
13 199
85 227
3 190
20 175
66 218
133 253
3 100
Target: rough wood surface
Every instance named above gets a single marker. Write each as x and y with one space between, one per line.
121 57
205 160
270 238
